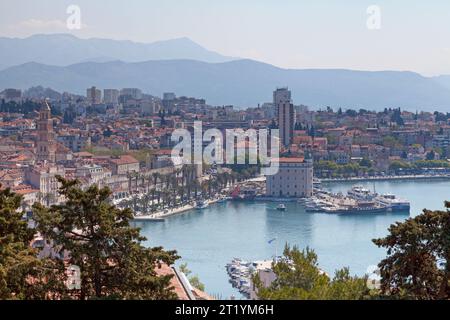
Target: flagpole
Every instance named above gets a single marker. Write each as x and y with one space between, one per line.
276 248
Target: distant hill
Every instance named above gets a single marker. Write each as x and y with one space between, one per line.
242 83
443 80
66 49
40 92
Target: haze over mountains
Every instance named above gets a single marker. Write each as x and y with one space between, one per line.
202 73
66 49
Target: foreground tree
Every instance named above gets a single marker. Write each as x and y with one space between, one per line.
97 237
193 280
298 277
418 261
22 274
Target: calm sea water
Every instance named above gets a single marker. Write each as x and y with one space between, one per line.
208 239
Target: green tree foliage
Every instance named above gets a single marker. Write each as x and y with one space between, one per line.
326 169
194 280
298 277
351 113
397 117
398 165
391 142
418 261
22 274
432 164
99 240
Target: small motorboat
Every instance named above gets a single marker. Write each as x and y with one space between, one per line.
201 205
281 207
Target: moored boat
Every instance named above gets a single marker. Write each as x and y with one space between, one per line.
393 202
201 205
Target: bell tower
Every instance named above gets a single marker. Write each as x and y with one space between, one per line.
46 144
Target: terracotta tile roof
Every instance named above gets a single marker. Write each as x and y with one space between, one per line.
84 154
290 160
174 282
178 287
126 159
161 152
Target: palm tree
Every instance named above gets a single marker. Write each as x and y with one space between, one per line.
189 189
145 200
204 186
155 176
196 186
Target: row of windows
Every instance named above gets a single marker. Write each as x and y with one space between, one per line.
302 177
302 194
280 186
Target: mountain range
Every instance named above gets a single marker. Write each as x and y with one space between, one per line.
158 67
67 49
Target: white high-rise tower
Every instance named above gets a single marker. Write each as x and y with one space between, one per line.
286 115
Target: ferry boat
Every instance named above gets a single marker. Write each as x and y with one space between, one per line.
361 207
281 207
393 202
201 205
361 193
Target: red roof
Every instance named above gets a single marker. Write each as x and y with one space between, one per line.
162 152
290 160
126 159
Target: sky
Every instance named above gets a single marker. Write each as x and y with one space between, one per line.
412 35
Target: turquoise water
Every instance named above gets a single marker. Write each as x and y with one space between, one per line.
208 239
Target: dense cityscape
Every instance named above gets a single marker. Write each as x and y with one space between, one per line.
121 139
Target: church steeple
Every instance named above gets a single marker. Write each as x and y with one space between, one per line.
46 145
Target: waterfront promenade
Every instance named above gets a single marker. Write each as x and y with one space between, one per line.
160 215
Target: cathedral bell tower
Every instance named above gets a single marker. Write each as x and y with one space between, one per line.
46 144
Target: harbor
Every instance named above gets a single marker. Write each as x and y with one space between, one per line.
241 272
230 229
356 200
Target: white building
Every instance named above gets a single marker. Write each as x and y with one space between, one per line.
149 107
111 96
44 179
94 95
94 174
133 93
285 113
123 164
293 180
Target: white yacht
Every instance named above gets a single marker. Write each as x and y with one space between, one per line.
281 207
393 202
361 193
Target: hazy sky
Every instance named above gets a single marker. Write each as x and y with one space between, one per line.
414 34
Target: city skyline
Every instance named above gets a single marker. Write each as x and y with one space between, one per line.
323 34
